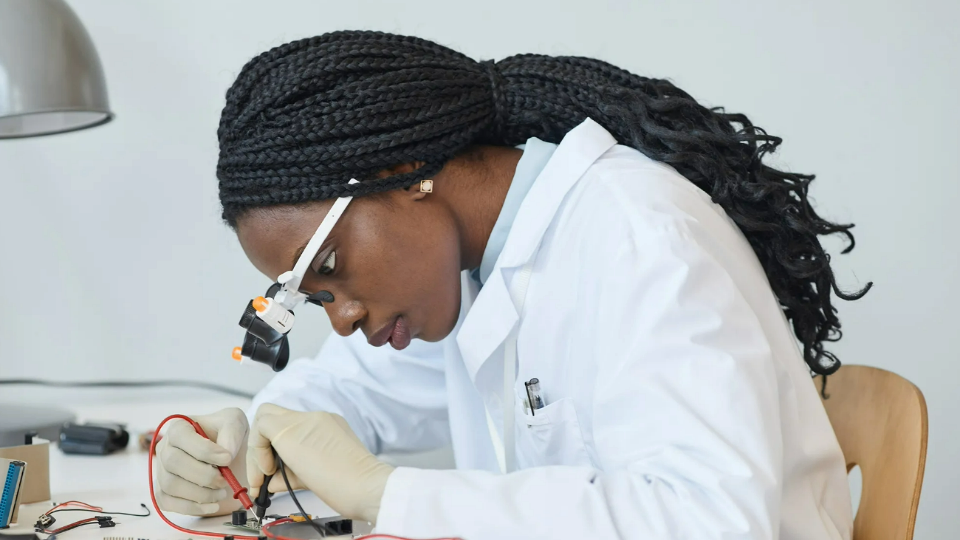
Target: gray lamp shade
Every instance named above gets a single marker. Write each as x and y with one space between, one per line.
51 80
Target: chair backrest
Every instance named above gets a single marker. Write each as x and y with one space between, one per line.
880 420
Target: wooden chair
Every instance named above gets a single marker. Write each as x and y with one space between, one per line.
880 420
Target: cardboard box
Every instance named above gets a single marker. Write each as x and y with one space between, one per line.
36 481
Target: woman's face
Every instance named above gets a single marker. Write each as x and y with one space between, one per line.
392 262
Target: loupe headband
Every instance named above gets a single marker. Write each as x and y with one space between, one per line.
269 318
289 295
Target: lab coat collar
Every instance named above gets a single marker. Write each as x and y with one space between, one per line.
493 314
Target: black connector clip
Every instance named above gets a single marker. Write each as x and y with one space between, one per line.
45 522
105 521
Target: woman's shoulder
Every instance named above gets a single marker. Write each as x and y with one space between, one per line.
625 190
631 212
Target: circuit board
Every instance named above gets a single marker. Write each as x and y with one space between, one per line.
298 528
252 525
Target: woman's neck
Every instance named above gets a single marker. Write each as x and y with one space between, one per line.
474 187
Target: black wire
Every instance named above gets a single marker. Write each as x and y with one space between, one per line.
321 528
105 513
129 384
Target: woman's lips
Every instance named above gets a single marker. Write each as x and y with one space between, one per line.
400 336
382 335
397 334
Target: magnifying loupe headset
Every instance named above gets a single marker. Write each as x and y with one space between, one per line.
269 318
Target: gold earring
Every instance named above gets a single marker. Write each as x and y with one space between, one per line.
426 186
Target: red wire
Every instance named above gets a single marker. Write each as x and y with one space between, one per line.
266 528
239 492
73 525
74 503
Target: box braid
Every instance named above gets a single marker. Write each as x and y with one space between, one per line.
305 117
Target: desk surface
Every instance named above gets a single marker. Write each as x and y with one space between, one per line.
119 482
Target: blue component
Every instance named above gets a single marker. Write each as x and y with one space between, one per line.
11 486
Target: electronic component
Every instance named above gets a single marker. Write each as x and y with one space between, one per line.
45 521
239 517
340 526
11 473
331 527
93 439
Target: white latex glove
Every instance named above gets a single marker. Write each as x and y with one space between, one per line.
324 455
187 472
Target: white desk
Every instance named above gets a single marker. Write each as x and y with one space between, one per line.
119 482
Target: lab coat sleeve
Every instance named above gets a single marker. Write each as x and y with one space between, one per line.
685 411
395 401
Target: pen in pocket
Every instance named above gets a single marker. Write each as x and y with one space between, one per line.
534 396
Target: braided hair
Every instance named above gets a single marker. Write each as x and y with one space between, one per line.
305 117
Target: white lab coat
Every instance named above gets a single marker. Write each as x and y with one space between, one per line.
678 404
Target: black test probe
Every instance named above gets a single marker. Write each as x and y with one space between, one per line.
262 502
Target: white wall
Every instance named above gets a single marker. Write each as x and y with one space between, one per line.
115 263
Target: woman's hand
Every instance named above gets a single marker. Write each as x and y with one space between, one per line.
187 476
323 454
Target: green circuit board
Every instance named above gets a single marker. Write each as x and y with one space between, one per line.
251 526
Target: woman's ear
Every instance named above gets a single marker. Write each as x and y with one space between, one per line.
420 190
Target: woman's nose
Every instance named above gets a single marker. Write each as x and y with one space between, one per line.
345 316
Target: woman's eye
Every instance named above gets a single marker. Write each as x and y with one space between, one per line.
328 265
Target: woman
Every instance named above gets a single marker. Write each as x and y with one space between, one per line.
636 257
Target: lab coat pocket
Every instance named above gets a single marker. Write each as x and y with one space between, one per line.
551 437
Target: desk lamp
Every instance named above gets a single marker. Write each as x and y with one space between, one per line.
51 82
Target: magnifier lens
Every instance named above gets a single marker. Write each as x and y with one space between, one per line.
276 355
